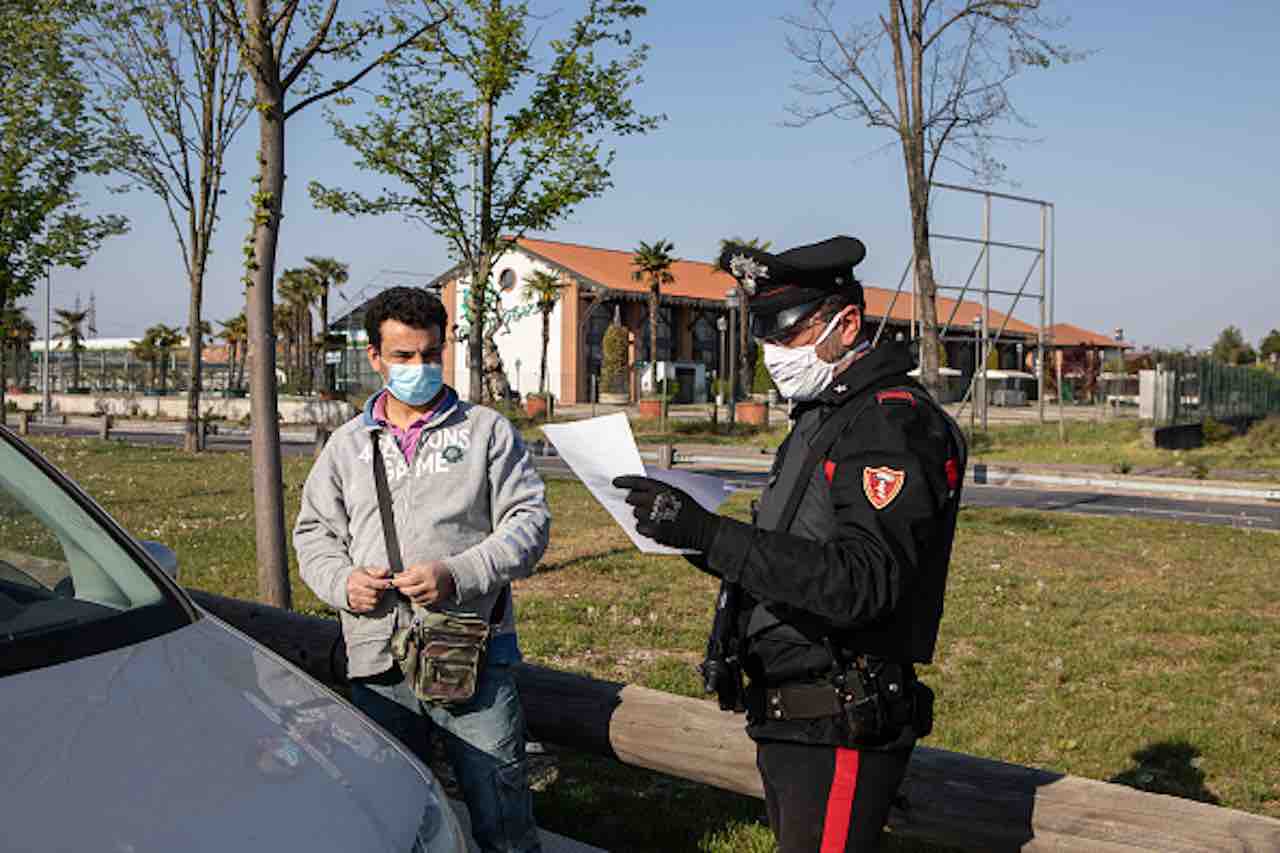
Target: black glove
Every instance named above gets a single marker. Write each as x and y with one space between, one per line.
669 515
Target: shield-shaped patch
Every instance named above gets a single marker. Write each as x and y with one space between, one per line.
882 485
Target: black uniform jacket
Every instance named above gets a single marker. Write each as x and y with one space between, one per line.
863 564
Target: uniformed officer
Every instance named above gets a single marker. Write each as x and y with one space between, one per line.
839 580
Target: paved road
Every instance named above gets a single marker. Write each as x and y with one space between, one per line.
1240 515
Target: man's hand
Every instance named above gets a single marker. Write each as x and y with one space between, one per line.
669 515
364 587
426 583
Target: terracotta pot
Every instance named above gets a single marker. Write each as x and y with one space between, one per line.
754 412
651 408
535 407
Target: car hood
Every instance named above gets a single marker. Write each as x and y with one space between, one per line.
202 740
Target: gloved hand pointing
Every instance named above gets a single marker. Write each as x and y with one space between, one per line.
668 515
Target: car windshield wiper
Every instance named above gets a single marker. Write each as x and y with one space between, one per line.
26 633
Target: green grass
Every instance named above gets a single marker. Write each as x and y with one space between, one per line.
1116 443
1145 652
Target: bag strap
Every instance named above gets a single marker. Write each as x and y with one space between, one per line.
384 506
499 611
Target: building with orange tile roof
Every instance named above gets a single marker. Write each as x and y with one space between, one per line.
598 286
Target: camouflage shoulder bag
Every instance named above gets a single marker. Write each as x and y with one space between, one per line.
440 654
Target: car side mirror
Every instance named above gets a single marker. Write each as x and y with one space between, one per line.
164 556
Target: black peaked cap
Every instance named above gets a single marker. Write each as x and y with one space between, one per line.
776 282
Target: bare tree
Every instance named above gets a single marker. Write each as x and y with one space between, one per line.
935 73
279 67
173 100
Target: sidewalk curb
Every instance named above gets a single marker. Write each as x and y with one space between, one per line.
987 475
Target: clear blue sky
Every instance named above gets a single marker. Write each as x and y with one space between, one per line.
1158 152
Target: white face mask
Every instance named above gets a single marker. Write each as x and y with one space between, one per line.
798 371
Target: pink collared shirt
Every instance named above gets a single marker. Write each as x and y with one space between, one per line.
407 439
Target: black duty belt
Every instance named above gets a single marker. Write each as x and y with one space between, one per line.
801 702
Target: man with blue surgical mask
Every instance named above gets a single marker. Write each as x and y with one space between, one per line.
834 591
425 506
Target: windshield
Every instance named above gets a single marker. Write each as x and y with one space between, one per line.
69 586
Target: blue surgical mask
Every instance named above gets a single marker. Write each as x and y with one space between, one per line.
414 384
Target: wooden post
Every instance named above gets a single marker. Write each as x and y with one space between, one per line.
24 423
666 456
963 801
104 426
322 437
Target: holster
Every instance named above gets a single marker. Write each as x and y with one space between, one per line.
441 655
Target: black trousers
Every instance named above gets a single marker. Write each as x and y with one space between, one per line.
828 799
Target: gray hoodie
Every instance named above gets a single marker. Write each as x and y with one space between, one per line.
471 498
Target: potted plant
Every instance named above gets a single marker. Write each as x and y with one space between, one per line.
539 404
755 410
615 370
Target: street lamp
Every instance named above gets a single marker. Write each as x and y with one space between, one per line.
979 371
731 301
721 325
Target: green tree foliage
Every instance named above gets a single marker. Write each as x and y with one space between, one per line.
652 263
1231 348
71 332
615 369
329 274
297 53
47 142
235 333
172 98
16 334
543 290
1269 347
493 135
761 381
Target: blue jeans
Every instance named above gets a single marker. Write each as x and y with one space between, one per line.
484 740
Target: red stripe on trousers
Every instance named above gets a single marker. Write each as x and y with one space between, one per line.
844 787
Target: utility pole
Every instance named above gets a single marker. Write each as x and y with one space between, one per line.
48 333
731 299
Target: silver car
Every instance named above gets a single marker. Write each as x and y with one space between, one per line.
133 721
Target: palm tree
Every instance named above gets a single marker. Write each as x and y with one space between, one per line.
236 333
163 339
300 289
543 289
653 262
329 273
18 332
69 323
744 339
144 350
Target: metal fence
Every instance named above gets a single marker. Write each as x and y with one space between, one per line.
1193 390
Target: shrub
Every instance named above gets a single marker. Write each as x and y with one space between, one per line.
614 370
761 382
1264 436
1216 432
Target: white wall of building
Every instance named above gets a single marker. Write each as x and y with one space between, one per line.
522 340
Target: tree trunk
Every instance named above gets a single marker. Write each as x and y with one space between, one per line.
326 383
653 331
268 485
477 339
191 437
745 373
546 342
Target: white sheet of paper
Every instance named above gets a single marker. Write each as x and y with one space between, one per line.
599 449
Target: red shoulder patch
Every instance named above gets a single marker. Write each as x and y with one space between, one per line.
829 469
882 485
953 473
901 396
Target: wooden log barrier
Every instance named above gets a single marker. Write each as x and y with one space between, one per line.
956 799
